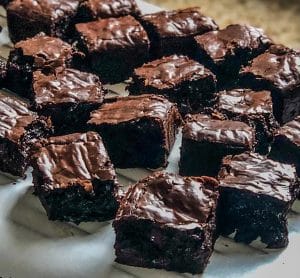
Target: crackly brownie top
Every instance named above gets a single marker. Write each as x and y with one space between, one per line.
66 86
15 117
112 33
291 131
200 127
167 72
220 44
172 200
259 175
245 101
180 23
133 108
74 159
280 66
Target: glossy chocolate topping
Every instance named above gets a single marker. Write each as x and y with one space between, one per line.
291 131
225 42
74 159
255 173
180 23
169 71
202 128
112 33
245 101
65 86
171 200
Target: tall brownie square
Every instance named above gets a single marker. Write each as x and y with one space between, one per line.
166 221
256 194
277 70
172 32
74 178
224 51
67 96
20 128
26 18
138 131
254 108
206 141
180 79
114 46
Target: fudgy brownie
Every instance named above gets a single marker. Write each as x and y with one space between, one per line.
255 108
172 32
20 128
167 221
67 96
205 141
224 51
26 18
138 131
277 70
74 178
256 194
180 79
114 46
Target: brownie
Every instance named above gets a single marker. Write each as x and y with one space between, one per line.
20 128
166 221
26 18
256 194
172 32
277 70
224 51
138 131
180 79
67 96
254 108
113 46
74 178
205 141
286 145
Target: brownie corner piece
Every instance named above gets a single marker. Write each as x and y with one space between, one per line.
256 194
79 183
166 221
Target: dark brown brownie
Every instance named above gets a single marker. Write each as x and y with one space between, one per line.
167 221
114 46
256 194
277 70
20 128
205 141
253 108
180 79
26 18
224 51
67 96
74 178
138 131
172 32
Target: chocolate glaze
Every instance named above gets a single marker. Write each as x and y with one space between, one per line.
171 200
259 175
291 131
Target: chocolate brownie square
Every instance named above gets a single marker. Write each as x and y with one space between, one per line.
277 70
172 32
113 46
26 18
20 128
74 178
67 96
138 131
166 221
253 108
180 79
206 141
256 194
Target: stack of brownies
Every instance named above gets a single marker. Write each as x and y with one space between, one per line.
234 92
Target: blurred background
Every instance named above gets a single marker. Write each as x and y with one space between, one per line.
279 18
